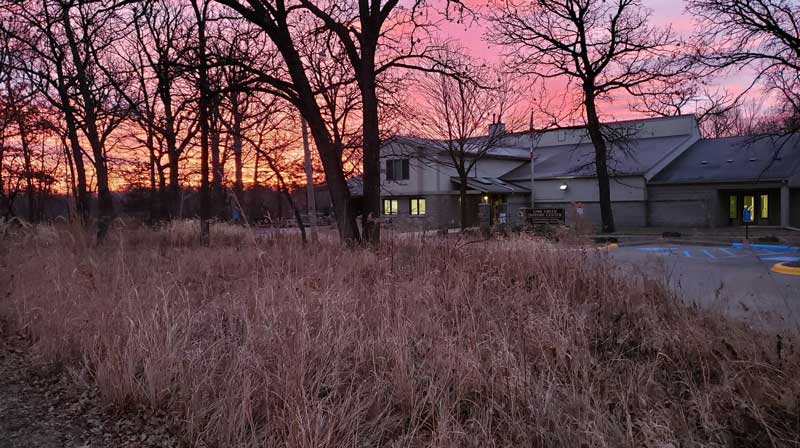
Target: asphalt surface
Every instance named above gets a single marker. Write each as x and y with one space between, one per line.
734 281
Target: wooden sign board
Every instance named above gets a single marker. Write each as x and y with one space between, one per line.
546 216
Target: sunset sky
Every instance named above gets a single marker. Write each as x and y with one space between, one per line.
664 13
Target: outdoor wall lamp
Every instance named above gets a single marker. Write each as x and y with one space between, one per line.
563 187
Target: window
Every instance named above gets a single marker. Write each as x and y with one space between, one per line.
733 211
417 206
397 169
390 206
764 206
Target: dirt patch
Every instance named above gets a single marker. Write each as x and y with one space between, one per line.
41 406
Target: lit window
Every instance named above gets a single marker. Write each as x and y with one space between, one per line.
397 169
390 206
733 211
417 206
764 206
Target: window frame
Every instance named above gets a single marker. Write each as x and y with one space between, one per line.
763 212
418 201
392 166
393 209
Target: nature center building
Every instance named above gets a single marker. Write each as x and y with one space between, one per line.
663 174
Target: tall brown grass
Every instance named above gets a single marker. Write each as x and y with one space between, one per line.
422 343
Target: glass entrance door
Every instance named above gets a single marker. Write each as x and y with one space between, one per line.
752 208
748 209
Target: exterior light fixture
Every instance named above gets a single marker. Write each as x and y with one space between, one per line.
486 199
563 187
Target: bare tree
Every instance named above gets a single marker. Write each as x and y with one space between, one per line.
711 106
759 34
51 71
200 8
18 117
290 81
10 178
157 56
89 30
602 48
375 36
456 114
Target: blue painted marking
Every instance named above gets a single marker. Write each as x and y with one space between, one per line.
728 252
773 247
708 254
781 259
686 253
654 249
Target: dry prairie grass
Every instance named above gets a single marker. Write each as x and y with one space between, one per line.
419 344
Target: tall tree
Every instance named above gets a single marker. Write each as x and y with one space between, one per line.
602 48
763 35
375 36
37 27
158 56
456 113
291 82
200 8
88 30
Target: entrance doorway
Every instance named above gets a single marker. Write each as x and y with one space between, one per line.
754 207
499 213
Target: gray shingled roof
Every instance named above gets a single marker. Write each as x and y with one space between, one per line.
632 157
500 151
735 159
491 185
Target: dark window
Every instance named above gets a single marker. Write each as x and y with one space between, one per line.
397 169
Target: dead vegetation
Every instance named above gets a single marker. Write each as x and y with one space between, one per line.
424 343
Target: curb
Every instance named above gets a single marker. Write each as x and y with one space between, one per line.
783 268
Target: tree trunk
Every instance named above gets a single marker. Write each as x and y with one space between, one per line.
81 195
296 212
2 185
372 143
462 197
205 199
154 197
170 137
238 185
601 160
18 114
255 170
26 157
105 206
329 153
217 193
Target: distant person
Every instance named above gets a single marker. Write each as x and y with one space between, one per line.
236 216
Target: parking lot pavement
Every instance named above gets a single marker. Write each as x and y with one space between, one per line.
733 280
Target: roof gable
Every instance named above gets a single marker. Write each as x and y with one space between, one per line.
635 156
736 159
